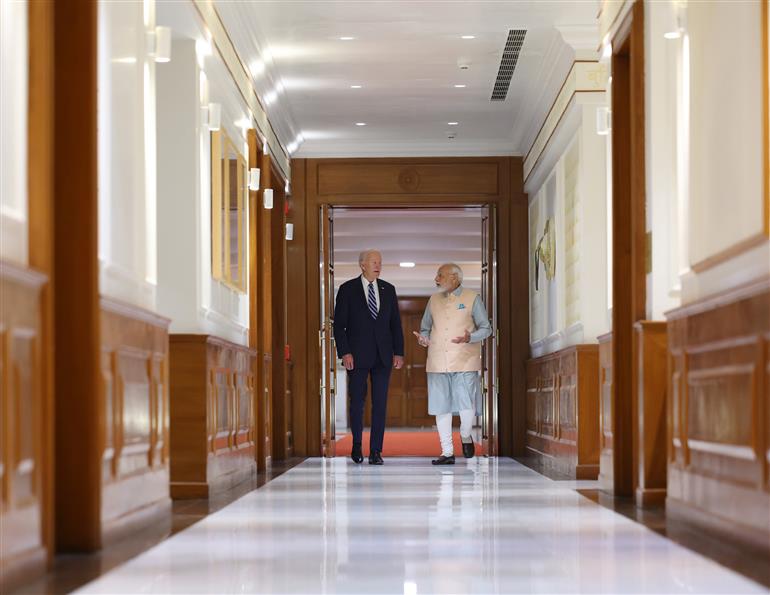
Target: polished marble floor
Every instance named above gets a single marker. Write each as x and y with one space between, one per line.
482 526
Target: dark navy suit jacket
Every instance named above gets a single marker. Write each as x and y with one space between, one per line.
357 333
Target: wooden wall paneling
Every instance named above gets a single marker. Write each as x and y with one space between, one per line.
76 300
651 363
345 177
23 457
265 322
606 470
296 304
485 180
513 287
628 237
255 156
40 184
313 307
587 409
717 476
281 424
200 365
134 421
562 414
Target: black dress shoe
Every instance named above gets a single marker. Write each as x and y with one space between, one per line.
357 455
375 458
469 449
442 460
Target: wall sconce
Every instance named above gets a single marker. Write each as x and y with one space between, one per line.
159 44
603 121
606 49
289 231
254 179
287 188
267 198
212 116
675 22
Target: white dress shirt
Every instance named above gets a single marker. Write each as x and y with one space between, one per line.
365 283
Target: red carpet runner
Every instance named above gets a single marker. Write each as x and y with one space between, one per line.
404 444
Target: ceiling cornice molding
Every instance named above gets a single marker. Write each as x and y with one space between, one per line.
580 37
267 124
555 65
279 110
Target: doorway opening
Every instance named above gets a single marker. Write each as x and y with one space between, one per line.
414 242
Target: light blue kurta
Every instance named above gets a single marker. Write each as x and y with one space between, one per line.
451 392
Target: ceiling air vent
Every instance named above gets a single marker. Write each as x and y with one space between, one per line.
508 64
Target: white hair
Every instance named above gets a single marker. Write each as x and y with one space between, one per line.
362 256
454 270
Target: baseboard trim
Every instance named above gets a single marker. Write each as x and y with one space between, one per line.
22 569
748 537
650 497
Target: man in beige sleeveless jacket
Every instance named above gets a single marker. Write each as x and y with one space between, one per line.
453 327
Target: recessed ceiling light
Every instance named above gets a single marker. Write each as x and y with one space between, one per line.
459 86
468 36
355 86
406 265
347 38
360 123
451 123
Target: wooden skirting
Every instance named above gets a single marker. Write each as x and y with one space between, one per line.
212 415
563 410
606 471
23 547
134 427
719 414
651 448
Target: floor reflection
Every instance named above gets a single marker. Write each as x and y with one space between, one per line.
483 526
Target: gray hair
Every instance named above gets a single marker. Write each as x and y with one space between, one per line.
362 256
454 270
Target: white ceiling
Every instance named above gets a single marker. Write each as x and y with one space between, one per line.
427 237
405 55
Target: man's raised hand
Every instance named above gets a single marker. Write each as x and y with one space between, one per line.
424 341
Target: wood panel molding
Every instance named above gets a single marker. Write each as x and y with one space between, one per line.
24 544
481 180
651 449
719 414
212 415
361 177
563 410
629 277
606 470
134 425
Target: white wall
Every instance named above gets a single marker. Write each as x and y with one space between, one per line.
571 308
187 292
126 140
14 227
726 204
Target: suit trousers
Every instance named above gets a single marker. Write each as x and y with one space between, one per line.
357 381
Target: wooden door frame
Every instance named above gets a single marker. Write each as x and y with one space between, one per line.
513 267
628 236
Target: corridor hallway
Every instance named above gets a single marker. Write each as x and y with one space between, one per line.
483 526
183 185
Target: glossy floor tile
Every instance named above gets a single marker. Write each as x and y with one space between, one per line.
482 526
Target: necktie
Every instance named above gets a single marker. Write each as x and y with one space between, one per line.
372 301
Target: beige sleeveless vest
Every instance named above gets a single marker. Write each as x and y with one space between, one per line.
452 316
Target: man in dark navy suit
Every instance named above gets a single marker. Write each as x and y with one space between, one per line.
367 329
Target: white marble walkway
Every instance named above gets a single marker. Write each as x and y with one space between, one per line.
482 526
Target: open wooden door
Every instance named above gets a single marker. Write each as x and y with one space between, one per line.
326 332
489 375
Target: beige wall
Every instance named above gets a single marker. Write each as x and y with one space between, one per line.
727 209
